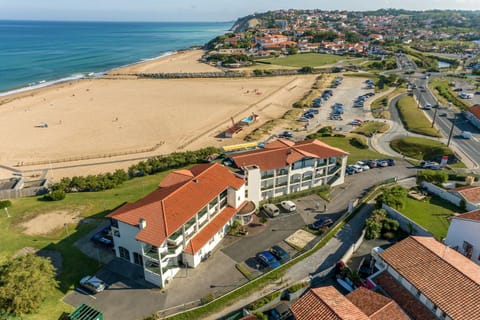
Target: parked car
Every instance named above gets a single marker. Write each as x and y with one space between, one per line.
357 168
303 119
372 163
271 210
103 237
308 115
350 170
314 111
280 253
319 224
267 259
382 163
390 162
285 134
288 205
442 114
92 284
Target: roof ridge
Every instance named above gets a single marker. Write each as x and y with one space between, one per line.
443 259
164 218
384 306
188 181
333 310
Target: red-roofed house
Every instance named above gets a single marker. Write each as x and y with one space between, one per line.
471 194
429 280
327 303
283 167
473 114
464 234
180 222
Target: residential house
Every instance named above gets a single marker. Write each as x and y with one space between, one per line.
181 222
284 167
471 194
429 280
473 115
464 234
327 303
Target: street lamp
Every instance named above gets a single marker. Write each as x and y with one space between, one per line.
451 129
435 114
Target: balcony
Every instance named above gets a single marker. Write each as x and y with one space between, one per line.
153 267
307 178
281 172
267 187
295 180
170 252
268 176
170 266
152 253
334 169
281 184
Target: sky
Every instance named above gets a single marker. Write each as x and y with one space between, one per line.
196 10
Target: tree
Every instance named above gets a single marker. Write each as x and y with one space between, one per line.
25 282
373 228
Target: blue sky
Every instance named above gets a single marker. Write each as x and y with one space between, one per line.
196 10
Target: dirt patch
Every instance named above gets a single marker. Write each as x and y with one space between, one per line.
299 239
48 222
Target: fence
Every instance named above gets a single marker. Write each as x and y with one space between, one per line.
447 196
353 247
407 225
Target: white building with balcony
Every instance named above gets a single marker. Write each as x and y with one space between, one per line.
181 222
464 234
284 167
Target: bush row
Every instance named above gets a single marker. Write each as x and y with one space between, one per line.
150 166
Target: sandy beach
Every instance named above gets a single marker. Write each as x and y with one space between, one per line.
105 119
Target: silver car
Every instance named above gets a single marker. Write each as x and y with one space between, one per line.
92 284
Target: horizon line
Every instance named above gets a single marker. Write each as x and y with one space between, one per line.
120 21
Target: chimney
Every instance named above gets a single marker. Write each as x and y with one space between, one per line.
195 180
142 223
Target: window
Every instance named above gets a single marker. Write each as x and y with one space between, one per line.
467 249
124 254
114 223
137 259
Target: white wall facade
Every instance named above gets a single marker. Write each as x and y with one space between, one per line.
464 230
126 239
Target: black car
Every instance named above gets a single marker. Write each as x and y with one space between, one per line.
319 224
280 253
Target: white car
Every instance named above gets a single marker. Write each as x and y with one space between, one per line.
363 165
357 168
92 284
288 205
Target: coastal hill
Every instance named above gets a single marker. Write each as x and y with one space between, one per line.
244 23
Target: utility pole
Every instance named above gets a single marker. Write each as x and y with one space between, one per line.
451 130
435 114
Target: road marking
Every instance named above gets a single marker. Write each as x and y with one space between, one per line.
85 292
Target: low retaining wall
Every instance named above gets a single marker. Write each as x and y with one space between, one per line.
407 225
447 196
353 248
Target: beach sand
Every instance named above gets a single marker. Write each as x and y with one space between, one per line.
127 119
182 61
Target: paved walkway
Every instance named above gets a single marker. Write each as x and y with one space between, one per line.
318 265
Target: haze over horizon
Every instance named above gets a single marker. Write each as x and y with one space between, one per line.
191 10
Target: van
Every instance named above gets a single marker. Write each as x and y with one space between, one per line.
289 205
271 210
466 134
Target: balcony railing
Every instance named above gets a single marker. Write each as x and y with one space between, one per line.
282 172
169 252
155 268
171 266
267 187
295 180
152 253
334 169
268 176
281 184
306 178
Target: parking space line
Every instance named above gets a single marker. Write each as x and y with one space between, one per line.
85 292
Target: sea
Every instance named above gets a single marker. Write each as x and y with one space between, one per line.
39 53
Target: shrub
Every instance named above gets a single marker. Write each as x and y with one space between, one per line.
55 195
5 204
388 235
390 224
372 228
297 286
359 143
264 300
433 176
260 316
393 197
208 298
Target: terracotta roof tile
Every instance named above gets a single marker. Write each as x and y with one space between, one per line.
475 110
470 193
166 209
447 278
471 215
281 153
217 223
325 303
403 298
375 305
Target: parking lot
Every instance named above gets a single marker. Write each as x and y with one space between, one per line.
345 94
130 297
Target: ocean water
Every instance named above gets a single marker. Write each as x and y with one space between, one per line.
36 53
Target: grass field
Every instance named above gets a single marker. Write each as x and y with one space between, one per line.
446 94
431 214
414 119
93 205
371 127
420 148
355 153
306 60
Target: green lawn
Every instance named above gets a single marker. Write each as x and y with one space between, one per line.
93 205
371 127
306 59
420 148
432 214
355 153
414 119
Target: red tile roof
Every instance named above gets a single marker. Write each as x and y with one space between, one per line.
166 209
447 278
471 215
325 303
210 229
470 193
415 309
281 153
475 110
375 305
